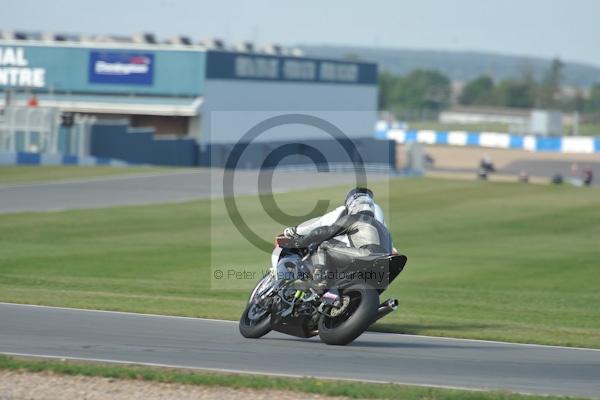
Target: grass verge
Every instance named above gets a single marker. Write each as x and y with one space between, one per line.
496 261
30 174
305 385
478 127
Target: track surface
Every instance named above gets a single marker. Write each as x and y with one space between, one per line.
534 168
158 188
209 344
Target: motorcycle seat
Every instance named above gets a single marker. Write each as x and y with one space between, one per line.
391 261
371 258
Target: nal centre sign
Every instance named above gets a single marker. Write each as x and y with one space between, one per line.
15 70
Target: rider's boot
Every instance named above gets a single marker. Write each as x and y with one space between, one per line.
319 279
325 286
332 297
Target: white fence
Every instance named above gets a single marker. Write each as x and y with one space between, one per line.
39 130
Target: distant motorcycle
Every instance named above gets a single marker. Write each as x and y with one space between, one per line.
292 307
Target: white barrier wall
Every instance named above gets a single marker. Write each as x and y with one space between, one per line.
562 144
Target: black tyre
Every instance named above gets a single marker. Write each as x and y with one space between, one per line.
255 321
351 323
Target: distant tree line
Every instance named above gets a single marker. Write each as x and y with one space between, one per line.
421 91
428 91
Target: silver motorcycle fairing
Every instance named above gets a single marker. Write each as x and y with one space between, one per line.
289 268
268 280
275 258
263 285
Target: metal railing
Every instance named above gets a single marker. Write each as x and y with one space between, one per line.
40 130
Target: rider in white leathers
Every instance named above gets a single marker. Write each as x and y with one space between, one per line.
328 219
367 237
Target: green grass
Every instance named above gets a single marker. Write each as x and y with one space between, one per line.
587 129
487 260
305 385
478 127
24 174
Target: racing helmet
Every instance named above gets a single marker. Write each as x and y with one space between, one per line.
360 200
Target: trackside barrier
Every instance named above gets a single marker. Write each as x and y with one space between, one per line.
557 144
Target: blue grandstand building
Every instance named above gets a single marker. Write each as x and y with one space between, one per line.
173 88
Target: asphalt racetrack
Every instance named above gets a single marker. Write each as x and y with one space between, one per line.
217 345
188 185
167 187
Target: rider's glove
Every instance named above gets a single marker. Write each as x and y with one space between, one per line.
283 241
312 248
290 232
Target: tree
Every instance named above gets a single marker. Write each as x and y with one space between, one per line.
386 83
576 103
352 57
593 103
479 91
422 90
515 93
549 90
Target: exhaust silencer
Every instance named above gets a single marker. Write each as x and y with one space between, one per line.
386 307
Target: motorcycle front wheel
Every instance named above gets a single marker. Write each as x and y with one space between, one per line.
255 321
354 320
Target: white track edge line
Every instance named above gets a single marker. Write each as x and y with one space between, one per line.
99 178
118 312
277 374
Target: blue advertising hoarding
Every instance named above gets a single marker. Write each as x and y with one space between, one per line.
228 65
65 68
121 68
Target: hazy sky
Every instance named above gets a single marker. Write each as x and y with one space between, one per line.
569 29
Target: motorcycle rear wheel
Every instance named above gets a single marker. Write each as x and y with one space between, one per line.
360 314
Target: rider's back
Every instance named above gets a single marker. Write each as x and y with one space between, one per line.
366 232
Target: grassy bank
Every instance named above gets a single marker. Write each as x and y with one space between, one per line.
486 260
476 127
303 385
25 174
585 129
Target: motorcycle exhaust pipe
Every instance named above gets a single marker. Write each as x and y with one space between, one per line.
386 307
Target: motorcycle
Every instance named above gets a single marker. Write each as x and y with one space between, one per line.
293 307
